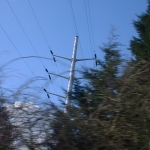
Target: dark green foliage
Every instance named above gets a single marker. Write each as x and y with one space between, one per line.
87 120
102 80
6 130
133 119
119 122
110 111
140 46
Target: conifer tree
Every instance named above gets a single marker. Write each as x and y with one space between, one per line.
140 46
88 120
6 130
100 81
104 118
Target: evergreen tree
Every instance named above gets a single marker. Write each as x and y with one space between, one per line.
140 46
119 120
110 111
6 130
100 81
88 120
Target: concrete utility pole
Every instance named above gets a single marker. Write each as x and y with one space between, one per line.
72 70
71 75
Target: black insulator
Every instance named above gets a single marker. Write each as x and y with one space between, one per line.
44 90
49 77
95 55
51 52
54 59
46 70
48 96
96 63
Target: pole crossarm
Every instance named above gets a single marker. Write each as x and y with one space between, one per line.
63 57
85 59
72 72
59 75
57 95
79 78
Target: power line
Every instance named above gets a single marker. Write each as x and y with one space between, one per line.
27 36
90 20
22 58
73 16
82 52
38 23
76 28
42 33
19 53
24 31
88 26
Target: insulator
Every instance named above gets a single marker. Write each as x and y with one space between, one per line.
49 77
45 90
54 59
51 52
96 63
46 70
48 96
95 55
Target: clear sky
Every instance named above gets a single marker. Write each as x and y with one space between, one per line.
60 20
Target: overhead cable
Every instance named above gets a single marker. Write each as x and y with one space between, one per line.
76 28
24 31
19 53
43 35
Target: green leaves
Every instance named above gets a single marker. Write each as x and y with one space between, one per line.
140 46
112 109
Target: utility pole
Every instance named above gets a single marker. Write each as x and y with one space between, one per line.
72 70
71 75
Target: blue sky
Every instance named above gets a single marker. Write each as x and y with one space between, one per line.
93 19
